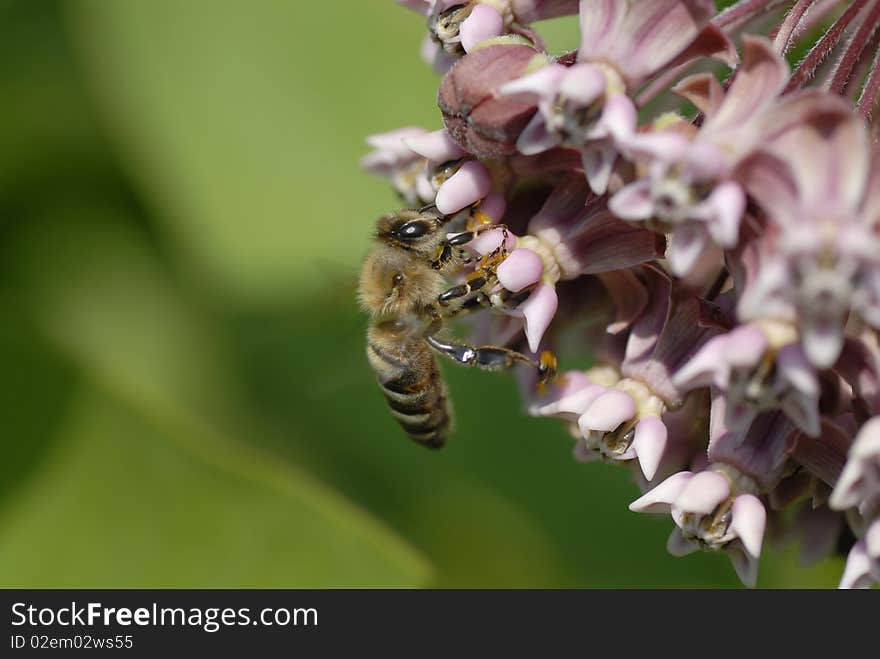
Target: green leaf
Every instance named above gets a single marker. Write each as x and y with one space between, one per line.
243 123
122 502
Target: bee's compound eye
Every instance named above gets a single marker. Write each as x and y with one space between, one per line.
397 279
413 230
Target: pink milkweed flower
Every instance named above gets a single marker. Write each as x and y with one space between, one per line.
760 367
625 420
451 181
466 185
581 106
859 488
643 443
719 508
623 423
859 366
426 168
710 512
640 38
688 190
859 483
862 568
567 238
404 168
819 260
586 106
529 269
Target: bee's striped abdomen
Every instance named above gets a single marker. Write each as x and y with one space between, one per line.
414 389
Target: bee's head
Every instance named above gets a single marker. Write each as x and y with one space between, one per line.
394 284
418 231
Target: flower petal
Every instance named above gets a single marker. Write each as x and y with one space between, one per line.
490 239
748 519
771 182
520 269
803 411
573 403
857 573
746 346
619 117
665 146
822 341
707 366
738 417
872 540
468 185
849 489
583 453
703 90
542 84
703 493
437 146
600 242
660 498
760 78
583 84
639 38
483 23
633 202
686 245
678 545
493 206
608 411
649 444
598 159
538 311
535 137
746 566
424 189
394 140
867 445
797 371
727 203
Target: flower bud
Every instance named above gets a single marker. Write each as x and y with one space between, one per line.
478 118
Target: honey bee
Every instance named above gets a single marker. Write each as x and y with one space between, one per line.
404 287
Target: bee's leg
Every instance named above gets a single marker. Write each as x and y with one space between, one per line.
474 284
468 305
452 247
479 280
503 300
508 300
493 358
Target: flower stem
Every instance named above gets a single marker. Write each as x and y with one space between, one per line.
743 11
868 98
785 33
807 68
842 73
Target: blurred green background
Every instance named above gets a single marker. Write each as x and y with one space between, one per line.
185 399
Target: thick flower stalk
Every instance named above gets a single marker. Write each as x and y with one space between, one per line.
705 217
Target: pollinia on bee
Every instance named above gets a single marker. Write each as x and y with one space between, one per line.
404 285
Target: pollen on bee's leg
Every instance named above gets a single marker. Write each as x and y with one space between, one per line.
477 220
548 367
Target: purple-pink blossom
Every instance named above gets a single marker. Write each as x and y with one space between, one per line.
709 235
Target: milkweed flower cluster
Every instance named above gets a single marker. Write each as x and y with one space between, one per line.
705 220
